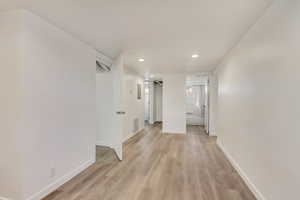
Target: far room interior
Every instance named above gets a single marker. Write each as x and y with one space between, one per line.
153 100
197 101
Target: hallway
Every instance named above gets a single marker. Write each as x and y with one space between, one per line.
160 166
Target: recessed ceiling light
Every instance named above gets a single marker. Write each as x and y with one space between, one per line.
141 60
195 56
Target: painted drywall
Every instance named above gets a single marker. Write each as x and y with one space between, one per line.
213 102
134 107
209 27
56 130
60 114
157 104
174 120
258 104
10 103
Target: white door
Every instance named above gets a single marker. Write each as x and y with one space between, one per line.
119 110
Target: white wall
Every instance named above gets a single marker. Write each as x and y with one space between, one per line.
213 103
157 104
174 119
10 102
259 99
56 127
134 107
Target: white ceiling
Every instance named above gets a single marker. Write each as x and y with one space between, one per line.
163 32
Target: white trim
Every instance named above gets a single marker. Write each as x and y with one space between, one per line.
60 181
102 143
249 183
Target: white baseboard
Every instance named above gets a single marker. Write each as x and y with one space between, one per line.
60 181
243 175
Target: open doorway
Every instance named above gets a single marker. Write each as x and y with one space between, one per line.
157 101
153 101
197 112
147 101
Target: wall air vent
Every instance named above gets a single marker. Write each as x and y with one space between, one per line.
103 64
101 67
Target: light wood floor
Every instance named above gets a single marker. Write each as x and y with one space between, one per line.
159 166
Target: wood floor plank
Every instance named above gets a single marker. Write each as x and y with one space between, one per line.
159 166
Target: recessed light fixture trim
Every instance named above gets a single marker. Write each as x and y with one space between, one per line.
141 60
195 56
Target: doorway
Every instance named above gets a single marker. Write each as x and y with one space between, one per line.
153 101
197 102
195 105
147 101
